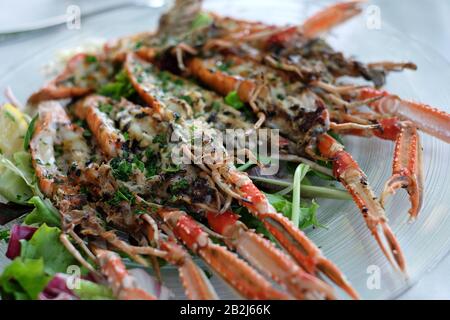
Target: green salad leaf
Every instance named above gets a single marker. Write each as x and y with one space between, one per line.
299 174
17 183
280 203
308 216
45 244
41 258
24 279
44 212
88 290
307 210
202 20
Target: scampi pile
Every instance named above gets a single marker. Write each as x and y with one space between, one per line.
106 129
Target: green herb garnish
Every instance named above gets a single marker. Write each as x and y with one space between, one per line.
123 194
299 174
179 185
160 139
121 168
105 108
120 87
91 59
201 20
232 99
29 133
187 99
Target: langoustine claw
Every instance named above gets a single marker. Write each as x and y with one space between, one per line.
407 168
194 280
355 181
407 163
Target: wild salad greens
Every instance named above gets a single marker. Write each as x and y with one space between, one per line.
39 262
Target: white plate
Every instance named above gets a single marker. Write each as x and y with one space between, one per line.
346 241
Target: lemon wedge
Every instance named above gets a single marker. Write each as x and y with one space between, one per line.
13 126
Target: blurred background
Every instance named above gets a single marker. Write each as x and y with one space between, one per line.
27 26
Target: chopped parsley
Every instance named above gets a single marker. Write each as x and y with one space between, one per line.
216 105
207 273
87 133
91 59
179 185
105 108
224 65
138 164
151 166
120 87
58 150
140 211
172 168
187 99
138 45
121 168
161 139
178 82
123 194
84 190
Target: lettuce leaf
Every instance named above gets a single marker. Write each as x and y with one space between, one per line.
307 214
17 178
40 259
91 291
280 203
299 174
45 244
202 20
24 279
13 188
44 212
